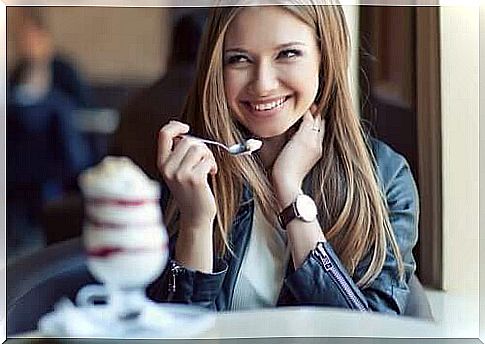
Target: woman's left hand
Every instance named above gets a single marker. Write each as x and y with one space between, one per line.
298 157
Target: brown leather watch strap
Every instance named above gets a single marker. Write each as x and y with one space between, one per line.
287 215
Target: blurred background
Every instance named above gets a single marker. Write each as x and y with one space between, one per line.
85 82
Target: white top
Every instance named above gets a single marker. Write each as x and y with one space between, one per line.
263 267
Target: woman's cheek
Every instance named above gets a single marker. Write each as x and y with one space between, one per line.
232 87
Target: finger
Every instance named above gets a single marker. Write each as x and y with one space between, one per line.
317 124
172 164
166 138
312 125
198 174
307 121
206 166
213 167
313 110
321 125
195 154
211 160
307 124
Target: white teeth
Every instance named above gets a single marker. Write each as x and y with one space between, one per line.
269 106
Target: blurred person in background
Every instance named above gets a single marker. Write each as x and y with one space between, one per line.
45 151
149 110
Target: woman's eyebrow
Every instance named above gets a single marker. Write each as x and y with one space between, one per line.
278 47
235 50
290 44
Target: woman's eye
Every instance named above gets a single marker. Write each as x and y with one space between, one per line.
290 53
237 59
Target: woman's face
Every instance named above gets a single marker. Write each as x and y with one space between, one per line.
271 64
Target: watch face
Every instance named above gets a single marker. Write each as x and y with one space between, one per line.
306 208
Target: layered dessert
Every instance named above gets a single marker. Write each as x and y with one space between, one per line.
124 235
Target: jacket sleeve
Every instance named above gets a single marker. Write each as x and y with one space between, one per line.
322 279
183 285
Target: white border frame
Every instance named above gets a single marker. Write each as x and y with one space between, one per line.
203 3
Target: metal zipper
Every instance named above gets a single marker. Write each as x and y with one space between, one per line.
338 278
175 270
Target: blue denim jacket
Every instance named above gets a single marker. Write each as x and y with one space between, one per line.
321 279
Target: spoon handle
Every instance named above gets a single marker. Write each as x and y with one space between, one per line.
210 142
236 149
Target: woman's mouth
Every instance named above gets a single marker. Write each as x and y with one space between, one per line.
267 106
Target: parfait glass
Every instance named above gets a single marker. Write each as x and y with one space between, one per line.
124 237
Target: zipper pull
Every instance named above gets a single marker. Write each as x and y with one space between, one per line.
175 270
327 264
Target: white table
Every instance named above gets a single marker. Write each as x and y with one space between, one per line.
318 322
313 322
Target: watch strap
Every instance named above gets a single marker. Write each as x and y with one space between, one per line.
287 215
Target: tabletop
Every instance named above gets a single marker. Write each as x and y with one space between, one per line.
310 322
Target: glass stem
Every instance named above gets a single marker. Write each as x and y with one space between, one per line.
126 301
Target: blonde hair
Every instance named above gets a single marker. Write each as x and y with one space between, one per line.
352 209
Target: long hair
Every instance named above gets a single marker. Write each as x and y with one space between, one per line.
353 212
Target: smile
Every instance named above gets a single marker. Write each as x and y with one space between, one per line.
267 106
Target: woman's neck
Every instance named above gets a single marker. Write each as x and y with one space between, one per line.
270 149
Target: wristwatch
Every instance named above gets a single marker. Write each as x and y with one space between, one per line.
303 208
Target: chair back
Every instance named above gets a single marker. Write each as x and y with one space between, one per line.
36 282
418 305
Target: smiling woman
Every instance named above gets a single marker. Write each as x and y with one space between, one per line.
321 214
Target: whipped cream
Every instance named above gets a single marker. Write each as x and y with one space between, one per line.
118 177
253 145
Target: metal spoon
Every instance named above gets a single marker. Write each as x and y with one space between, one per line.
245 147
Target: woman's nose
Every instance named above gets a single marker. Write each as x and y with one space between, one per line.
265 79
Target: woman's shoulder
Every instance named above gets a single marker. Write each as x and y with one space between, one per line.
389 163
382 151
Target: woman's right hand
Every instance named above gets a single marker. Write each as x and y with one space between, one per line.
185 164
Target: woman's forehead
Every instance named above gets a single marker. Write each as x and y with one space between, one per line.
266 25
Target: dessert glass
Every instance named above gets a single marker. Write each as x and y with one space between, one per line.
124 235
